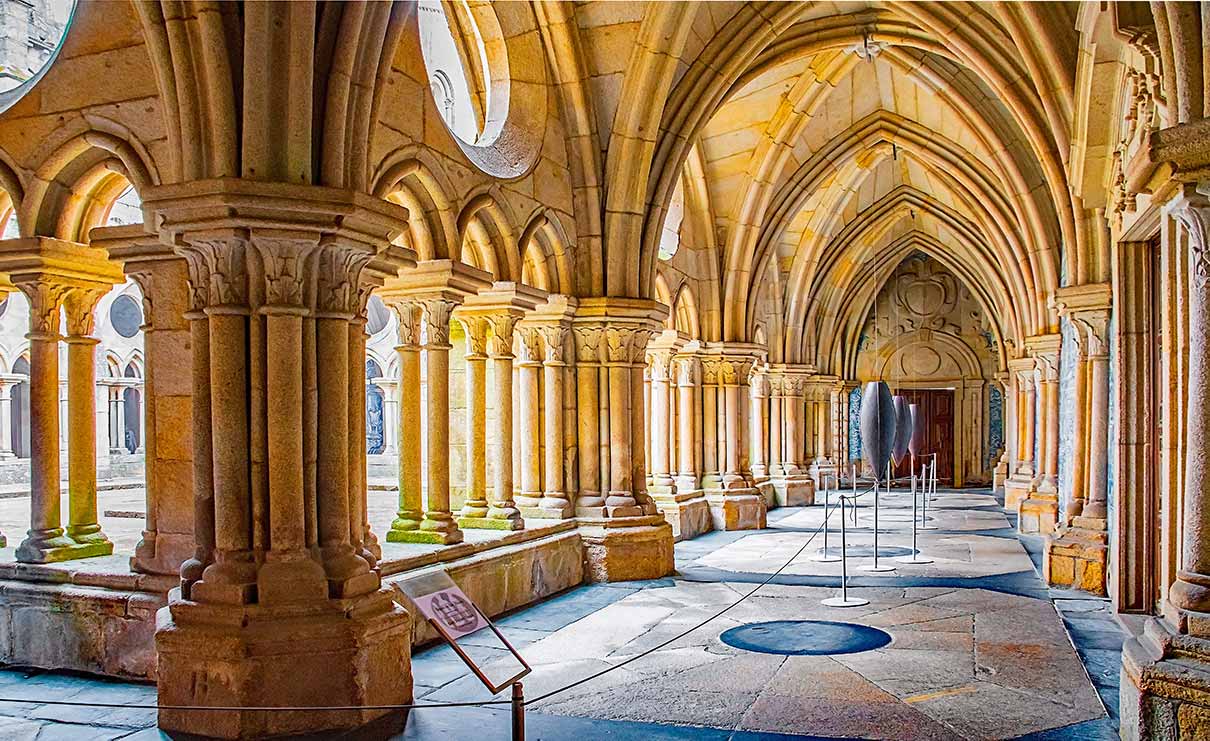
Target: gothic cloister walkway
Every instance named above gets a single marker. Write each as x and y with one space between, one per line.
980 647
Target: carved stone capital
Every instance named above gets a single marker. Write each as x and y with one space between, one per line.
409 315
476 330
659 363
687 371
1192 209
554 342
529 345
339 288
500 344
760 385
588 344
79 308
45 299
436 313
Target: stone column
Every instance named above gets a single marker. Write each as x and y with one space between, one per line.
117 412
1078 558
1018 486
556 503
1000 472
438 522
6 421
503 513
590 500
688 436
759 391
734 503
277 272
660 366
406 525
82 525
45 541
51 272
528 370
777 406
1039 512
627 537
476 329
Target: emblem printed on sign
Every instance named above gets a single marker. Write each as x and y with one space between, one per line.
452 610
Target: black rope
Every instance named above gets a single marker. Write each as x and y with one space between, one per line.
422 706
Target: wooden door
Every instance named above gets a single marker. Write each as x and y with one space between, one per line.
935 409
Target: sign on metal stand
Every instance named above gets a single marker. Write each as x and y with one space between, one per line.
455 616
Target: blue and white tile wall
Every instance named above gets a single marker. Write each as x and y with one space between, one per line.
855 424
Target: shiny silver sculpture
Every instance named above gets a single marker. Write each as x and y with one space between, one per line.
916 444
903 429
878 426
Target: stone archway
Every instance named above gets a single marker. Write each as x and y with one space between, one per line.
927 331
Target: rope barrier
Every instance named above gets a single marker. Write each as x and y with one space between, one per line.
424 706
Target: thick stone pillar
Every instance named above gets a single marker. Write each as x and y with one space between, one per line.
82 525
625 537
1164 692
1018 486
162 276
52 274
1039 512
406 524
287 612
735 504
1078 556
791 484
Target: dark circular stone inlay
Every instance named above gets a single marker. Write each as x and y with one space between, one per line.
806 638
867 551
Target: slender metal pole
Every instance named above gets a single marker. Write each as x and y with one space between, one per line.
928 484
518 706
875 566
844 557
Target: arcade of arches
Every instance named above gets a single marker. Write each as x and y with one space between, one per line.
530 292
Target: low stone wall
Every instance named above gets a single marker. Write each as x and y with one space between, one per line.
95 616
59 619
504 578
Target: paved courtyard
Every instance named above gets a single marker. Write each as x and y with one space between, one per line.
979 648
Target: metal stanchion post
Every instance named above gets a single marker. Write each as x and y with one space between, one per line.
518 706
844 600
876 566
854 505
933 488
926 479
915 556
823 556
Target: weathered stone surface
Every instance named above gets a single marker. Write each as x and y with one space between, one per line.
620 552
730 511
316 655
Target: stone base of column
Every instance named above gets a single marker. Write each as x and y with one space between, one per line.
627 548
549 508
483 523
793 490
736 509
685 510
440 537
1039 514
1165 682
999 475
1015 492
333 652
60 548
1078 558
162 553
767 492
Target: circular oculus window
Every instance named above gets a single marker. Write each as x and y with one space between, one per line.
33 33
